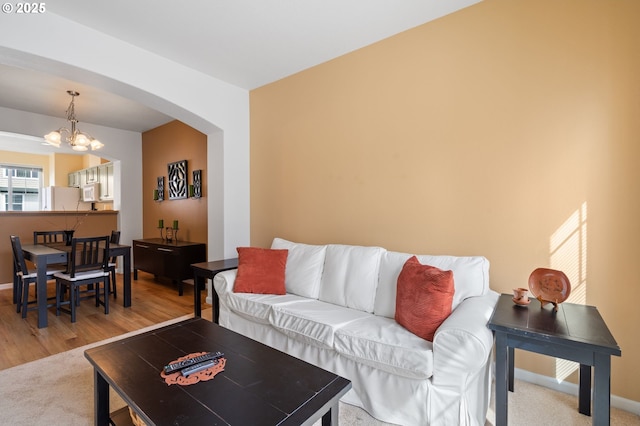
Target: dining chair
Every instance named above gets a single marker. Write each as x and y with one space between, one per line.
115 239
88 264
26 277
43 237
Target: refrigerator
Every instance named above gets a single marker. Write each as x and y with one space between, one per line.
63 198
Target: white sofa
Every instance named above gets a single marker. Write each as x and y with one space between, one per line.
338 314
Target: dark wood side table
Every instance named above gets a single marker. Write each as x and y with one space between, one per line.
575 332
202 271
171 259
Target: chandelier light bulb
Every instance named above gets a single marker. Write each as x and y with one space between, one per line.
96 144
53 138
81 140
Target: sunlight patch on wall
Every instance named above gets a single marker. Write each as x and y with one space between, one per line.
568 253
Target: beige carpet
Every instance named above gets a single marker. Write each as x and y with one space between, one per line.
58 390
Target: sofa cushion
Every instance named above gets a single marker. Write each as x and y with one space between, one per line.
382 343
304 267
470 277
260 271
257 307
312 322
350 276
424 298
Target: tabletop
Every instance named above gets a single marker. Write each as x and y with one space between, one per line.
571 324
215 266
259 385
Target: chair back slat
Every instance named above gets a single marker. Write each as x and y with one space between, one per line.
88 253
115 239
44 237
18 256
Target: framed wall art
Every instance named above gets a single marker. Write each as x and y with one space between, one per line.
178 180
197 184
158 193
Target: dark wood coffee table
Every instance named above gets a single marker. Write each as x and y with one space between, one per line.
259 386
575 332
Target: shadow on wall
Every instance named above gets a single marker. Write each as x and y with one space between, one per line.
568 253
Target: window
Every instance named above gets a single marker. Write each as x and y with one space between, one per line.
20 188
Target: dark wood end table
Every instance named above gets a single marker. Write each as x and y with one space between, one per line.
202 271
259 385
575 332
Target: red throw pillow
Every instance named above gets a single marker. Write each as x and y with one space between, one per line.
260 271
424 297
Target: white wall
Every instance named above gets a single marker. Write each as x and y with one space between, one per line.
52 44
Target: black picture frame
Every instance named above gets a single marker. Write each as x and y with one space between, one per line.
197 183
177 180
160 188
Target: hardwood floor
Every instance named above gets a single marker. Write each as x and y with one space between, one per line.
152 302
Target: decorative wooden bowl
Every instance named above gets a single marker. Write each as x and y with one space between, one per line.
549 286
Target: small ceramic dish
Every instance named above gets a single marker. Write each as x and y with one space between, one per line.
521 302
549 285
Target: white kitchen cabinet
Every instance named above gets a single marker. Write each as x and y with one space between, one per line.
74 180
102 174
91 174
105 177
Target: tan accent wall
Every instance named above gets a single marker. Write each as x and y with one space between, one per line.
509 129
34 160
63 164
174 141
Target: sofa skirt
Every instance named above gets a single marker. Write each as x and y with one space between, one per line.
385 396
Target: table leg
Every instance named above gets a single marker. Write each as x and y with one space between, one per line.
42 294
584 393
198 283
502 379
100 399
602 390
512 363
15 284
126 280
216 306
331 416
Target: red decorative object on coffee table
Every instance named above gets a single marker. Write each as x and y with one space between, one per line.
200 376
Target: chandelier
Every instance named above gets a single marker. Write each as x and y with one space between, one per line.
79 141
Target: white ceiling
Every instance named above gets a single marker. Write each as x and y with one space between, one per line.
247 43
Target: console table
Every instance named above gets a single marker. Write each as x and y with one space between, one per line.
575 332
170 259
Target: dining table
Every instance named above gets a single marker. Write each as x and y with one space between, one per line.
55 253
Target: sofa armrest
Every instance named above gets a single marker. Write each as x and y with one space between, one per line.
223 282
463 342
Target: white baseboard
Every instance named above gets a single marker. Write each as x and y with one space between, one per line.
572 389
6 286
